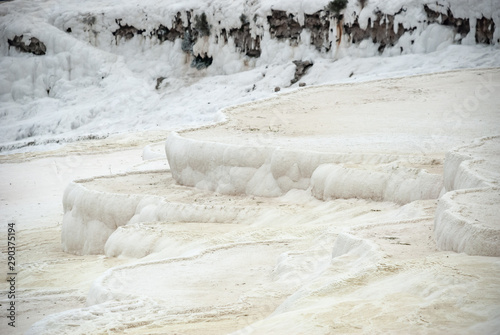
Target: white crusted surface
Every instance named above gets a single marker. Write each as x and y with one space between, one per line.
469 221
467 217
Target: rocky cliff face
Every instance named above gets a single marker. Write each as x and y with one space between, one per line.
319 30
384 30
243 39
381 31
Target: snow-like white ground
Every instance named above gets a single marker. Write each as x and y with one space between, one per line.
367 206
44 100
194 261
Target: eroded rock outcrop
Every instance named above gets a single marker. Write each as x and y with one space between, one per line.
301 68
244 41
319 26
284 26
485 29
36 47
381 28
201 61
176 32
126 31
381 31
460 26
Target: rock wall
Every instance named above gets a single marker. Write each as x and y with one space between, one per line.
319 30
383 31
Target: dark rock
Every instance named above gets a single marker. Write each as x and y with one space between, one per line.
161 33
36 47
201 26
302 84
254 52
485 29
187 42
319 27
283 26
244 41
201 62
223 35
159 81
362 3
177 30
301 68
381 31
277 89
335 7
126 31
461 26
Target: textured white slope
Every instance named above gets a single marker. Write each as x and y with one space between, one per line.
468 216
267 171
91 217
468 221
335 266
44 100
473 165
198 262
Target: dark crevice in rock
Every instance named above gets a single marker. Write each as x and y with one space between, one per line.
319 27
36 47
244 41
223 35
284 26
485 29
201 62
126 31
301 68
461 26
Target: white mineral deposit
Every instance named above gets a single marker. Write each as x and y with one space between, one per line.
250 167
